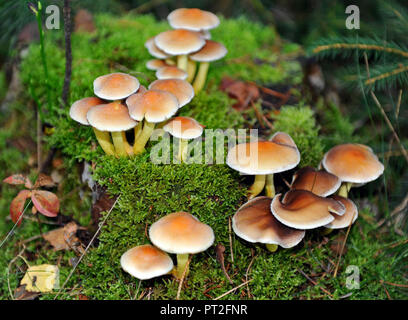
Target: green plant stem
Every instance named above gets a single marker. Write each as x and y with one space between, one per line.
181 265
271 247
201 77
104 140
182 62
257 186
144 137
119 144
270 186
191 70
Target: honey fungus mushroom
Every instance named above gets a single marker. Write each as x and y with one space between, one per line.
78 112
146 262
115 86
183 234
183 128
263 159
254 222
349 217
354 164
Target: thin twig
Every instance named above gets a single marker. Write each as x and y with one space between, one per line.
398 104
86 249
68 53
232 290
315 283
230 239
247 272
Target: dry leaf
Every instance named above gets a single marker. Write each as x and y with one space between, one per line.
244 92
63 238
41 278
44 181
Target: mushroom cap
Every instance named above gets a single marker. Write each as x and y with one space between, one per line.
179 42
254 222
146 262
205 34
80 108
344 220
115 86
319 182
354 163
181 233
171 72
184 128
110 117
183 91
156 64
263 157
142 89
211 51
154 50
153 105
193 19
301 209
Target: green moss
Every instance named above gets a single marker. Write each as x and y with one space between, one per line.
300 124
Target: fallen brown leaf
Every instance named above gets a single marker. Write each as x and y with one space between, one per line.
244 92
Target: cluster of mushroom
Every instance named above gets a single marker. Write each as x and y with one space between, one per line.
179 233
177 51
123 108
311 202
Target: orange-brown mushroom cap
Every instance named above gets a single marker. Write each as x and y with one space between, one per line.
154 50
319 182
211 51
110 117
192 19
171 72
301 209
254 222
350 215
183 91
184 128
262 157
115 86
156 64
146 262
80 108
354 163
181 233
179 42
153 105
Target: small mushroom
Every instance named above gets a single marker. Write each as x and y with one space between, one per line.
179 43
193 19
349 217
354 164
113 117
183 91
263 159
210 52
78 112
152 106
319 182
181 233
171 72
254 222
183 128
115 86
146 262
301 209
156 64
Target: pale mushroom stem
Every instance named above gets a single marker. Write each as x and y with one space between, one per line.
119 144
182 152
191 70
271 247
182 62
138 130
182 260
128 147
104 140
201 76
326 231
344 189
270 186
170 61
144 137
257 186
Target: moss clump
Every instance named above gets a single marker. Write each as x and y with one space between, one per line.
300 124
